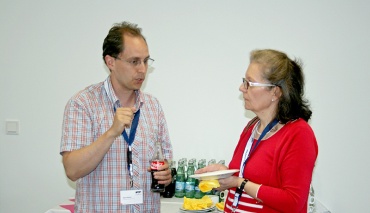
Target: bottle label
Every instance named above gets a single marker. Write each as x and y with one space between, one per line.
155 164
180 186
189 186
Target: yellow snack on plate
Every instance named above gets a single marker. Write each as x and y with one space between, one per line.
220 206
208 185
197 204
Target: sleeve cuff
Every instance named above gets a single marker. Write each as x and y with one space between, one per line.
258 190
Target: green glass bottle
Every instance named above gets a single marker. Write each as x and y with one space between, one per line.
180 180
190 182
199 194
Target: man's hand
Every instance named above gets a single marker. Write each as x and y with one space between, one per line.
123 118
163 175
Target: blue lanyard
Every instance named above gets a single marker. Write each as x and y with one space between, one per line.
134 125
129 141
264 132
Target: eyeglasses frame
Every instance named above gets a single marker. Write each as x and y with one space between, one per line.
135 62
248 84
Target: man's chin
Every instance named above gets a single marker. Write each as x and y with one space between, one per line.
137 87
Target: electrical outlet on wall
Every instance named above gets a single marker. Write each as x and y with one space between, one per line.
12 127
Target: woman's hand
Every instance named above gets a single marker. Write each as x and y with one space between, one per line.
229 182
211 168
225 183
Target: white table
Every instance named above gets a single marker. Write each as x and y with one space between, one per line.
168 205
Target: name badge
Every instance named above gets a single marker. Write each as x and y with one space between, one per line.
131 197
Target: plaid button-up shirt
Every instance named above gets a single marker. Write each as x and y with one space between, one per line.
88 115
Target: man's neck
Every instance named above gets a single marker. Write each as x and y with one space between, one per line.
127 99
125 96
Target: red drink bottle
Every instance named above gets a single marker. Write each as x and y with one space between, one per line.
157 161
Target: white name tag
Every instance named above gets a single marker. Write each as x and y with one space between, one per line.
132 197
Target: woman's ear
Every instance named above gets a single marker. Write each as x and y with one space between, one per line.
277 92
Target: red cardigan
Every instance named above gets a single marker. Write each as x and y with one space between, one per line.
283 164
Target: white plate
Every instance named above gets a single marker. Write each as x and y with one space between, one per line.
219 210
215 175
201 210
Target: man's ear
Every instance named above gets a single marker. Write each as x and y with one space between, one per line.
109 61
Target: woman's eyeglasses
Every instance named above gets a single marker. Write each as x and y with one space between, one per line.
248 84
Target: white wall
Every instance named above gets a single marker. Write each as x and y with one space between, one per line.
51 49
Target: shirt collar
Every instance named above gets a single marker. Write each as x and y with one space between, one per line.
112 95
